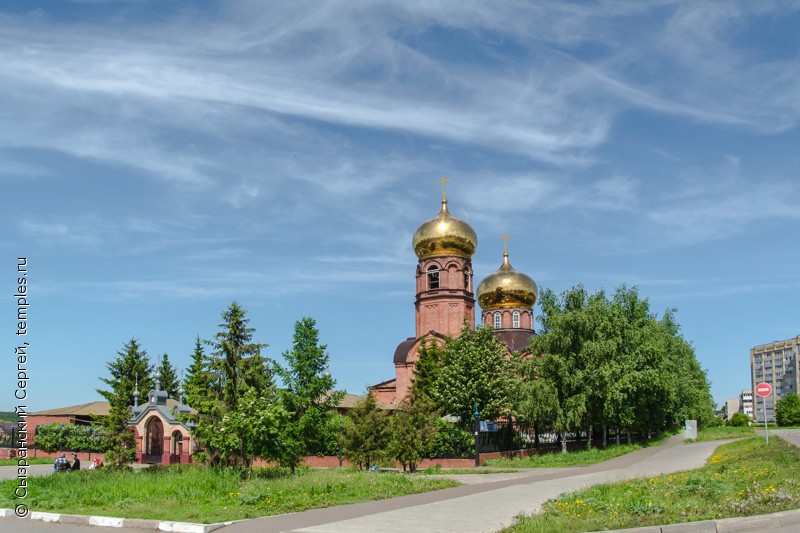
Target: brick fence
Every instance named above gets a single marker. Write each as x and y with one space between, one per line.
327 461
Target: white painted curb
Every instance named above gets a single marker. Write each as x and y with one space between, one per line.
45 517
106 521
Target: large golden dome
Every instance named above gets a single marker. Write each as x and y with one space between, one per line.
507 288
444 235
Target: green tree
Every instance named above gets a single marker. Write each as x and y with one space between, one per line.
365 436
426 370
202 388
237 358
787 410
563 364
535 399
131 367
168 377
413 430
475 370
308 397
234 369
252 430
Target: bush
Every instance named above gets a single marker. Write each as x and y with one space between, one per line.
54 437
787 410
452 441
739 420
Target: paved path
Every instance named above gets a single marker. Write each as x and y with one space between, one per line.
485 506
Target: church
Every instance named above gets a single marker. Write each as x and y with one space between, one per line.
445 297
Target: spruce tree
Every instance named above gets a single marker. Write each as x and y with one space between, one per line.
235 370
168 377
365 437
308 398
201 382
130 367
237 358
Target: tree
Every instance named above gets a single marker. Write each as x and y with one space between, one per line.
536 399
413 430
365 436
426 370
252 430
475 370
309 398
787 410
237 358
235 369
168 377
129 368
130 371
202 389
201 384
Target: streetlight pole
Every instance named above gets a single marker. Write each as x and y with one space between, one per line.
477 436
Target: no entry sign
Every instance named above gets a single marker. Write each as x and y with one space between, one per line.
763 389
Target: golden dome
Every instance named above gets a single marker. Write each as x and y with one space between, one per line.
507 288
444 235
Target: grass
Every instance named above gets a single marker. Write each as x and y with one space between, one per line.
724 432
31 461
742 478
198 494
573 458
437 470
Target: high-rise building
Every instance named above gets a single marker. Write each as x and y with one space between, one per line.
746 402
775 363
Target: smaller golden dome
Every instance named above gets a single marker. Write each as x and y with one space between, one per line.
444 235
507 288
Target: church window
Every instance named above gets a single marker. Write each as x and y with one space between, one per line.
466 280
433 277
516 319
497 321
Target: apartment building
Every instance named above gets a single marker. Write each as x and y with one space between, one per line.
777 364
746 402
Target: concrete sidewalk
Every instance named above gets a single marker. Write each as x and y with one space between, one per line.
483 506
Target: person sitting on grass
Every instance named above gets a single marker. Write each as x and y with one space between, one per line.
76 463
61 464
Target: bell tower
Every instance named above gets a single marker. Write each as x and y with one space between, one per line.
444 295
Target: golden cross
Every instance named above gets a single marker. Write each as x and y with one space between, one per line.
444 181
505 238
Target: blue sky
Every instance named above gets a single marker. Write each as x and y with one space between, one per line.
158 160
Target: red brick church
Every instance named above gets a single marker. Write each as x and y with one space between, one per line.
445 298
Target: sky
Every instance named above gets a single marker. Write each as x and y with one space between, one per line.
161 159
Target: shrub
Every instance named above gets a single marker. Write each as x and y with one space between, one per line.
739 420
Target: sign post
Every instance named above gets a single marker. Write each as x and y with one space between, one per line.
477 436
763 390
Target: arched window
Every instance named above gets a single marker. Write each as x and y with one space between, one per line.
466 279
516 319
433 277
497 321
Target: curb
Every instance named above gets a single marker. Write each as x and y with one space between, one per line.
110 521
723 525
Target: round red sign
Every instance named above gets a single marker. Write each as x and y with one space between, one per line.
763 389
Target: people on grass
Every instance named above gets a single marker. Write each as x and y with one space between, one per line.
61 464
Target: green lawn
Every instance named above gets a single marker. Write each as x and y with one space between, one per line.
199 494
725 432
31 461
573 458
436 471
742 478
